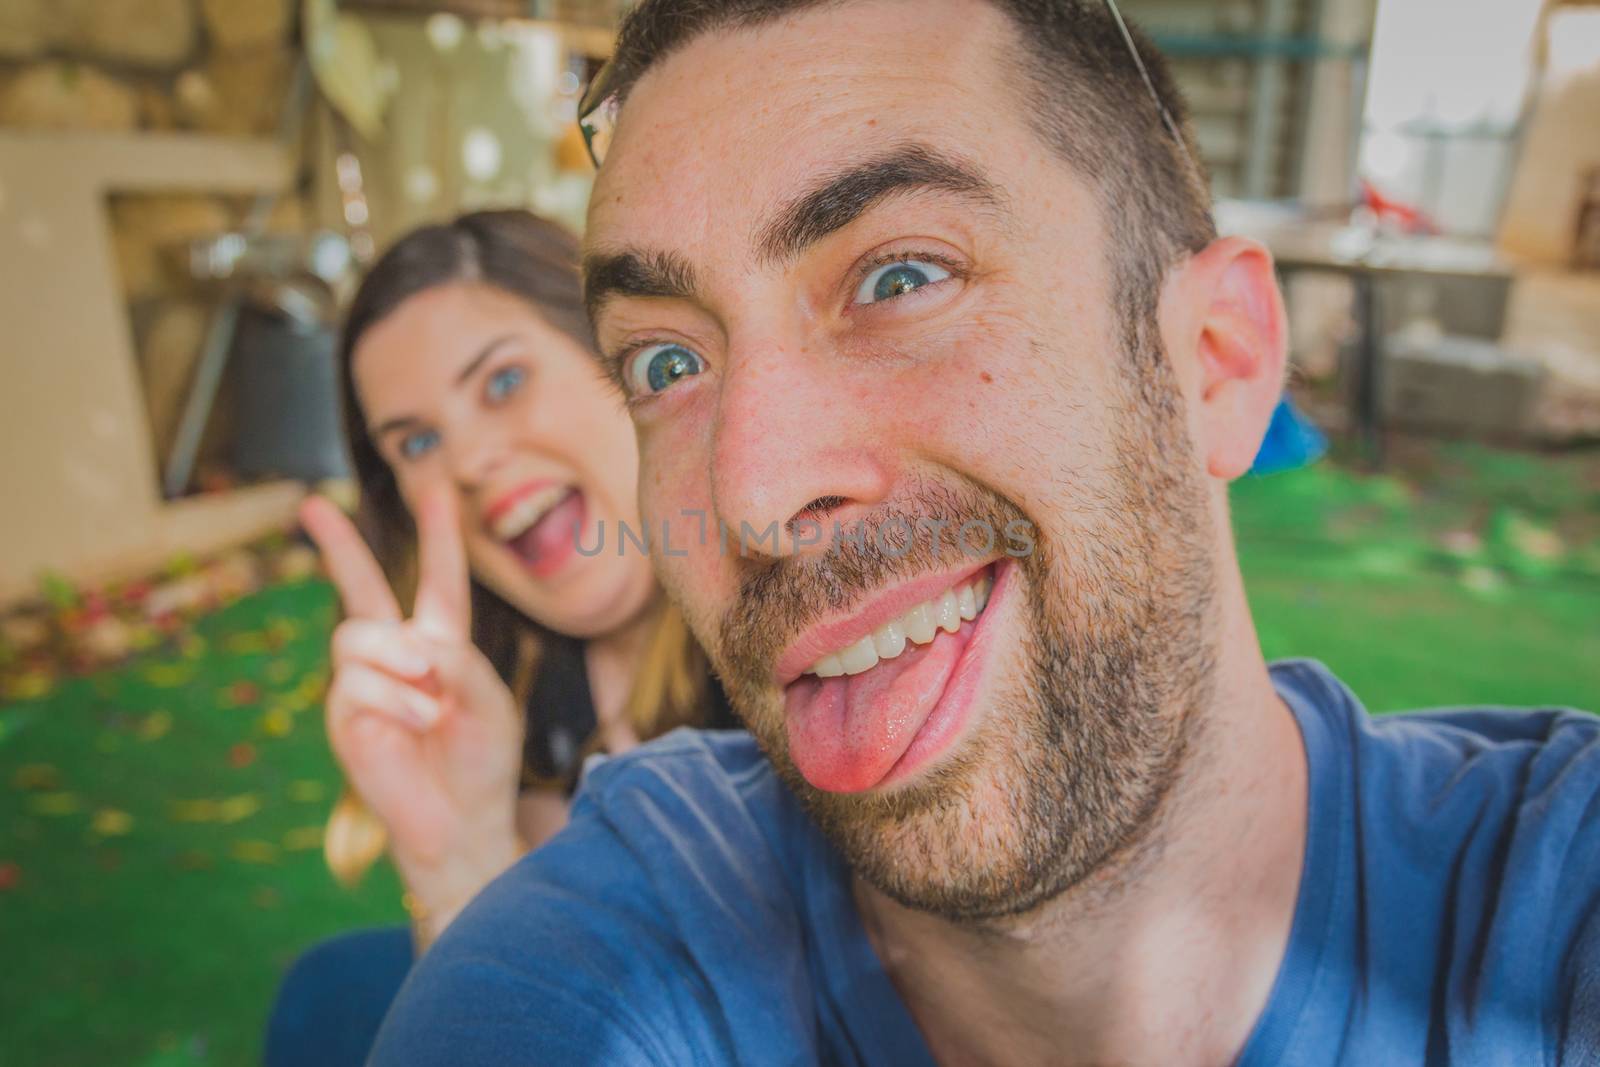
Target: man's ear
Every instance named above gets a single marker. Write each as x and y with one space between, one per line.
1233 316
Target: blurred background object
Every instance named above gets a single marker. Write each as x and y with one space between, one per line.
189 189
199 182
1425 179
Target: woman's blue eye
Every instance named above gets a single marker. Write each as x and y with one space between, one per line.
419 443
896 279
655 367
504 382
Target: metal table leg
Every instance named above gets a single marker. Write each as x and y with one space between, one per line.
1368 411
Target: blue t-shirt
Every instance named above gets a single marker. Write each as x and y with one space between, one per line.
693 914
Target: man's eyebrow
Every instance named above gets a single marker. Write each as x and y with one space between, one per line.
634 272
832 205
844 197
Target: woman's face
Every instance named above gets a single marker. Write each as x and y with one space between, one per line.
467 385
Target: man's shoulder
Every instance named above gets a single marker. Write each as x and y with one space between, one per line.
691 791
1515 789
1554 742
1452 772
691 808
1460 852
685 756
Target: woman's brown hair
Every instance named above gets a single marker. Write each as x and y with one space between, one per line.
537 261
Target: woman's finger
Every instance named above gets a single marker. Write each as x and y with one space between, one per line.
472 682
358 688
443 608
389 646
360 581
384 764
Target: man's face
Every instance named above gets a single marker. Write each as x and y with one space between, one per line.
844 282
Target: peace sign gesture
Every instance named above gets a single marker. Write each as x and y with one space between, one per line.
425 730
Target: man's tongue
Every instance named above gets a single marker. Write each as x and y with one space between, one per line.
556 530
846 733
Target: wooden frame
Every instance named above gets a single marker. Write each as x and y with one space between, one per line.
80 484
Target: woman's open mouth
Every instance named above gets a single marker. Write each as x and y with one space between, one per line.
541 528
875 710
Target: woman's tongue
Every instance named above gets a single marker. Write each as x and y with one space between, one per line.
846 733
547 539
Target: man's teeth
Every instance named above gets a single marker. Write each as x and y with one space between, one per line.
916 627
527 511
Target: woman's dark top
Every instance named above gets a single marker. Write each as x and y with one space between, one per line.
561 717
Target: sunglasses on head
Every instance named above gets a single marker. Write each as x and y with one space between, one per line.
598 108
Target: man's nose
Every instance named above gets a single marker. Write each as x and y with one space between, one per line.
793 453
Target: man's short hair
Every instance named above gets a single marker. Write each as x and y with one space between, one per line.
1087 98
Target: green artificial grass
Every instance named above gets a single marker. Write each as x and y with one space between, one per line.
1477 580
167 845
161 820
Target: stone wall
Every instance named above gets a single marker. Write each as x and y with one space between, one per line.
204 67
214 66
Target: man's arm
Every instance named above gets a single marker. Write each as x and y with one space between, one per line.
564 959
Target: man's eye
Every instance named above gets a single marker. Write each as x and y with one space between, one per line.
655 367
503 382
419 443
896 279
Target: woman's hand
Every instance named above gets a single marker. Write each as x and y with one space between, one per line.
427 733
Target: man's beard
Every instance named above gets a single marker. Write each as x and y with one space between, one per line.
1069 764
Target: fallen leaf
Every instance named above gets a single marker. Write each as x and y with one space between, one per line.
155 726
37 776
247 644
281 631
242 755
296 701
302 839
240 807
253 851
277 723
10 875
168 675
56 804
194 811
58 591
28 685
306 791
313 686
110 822
241 694
1484 581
